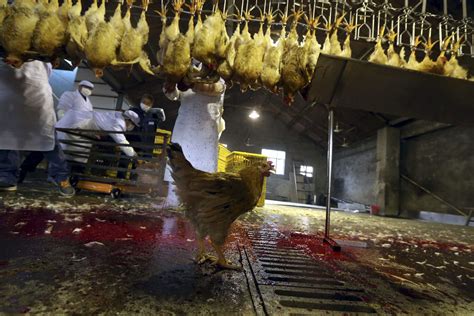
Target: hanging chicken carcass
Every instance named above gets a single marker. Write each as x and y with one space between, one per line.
226 67
17 29
209 40
176 53
346 47
271 75
49 37
393 58
292 74
101 47
312 49
76 34
248 63
379 56
452 67
133 41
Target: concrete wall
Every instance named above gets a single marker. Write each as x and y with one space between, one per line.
354 172
440 160
443 162
270 133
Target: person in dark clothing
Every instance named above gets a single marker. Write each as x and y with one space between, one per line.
150 118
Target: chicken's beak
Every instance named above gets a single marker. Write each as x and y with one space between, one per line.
272 168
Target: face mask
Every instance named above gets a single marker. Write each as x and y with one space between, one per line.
86 92
145 107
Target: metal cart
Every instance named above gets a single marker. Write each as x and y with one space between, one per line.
98 164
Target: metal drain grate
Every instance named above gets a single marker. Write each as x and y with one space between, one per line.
290 282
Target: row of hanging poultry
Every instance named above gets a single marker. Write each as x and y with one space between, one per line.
44 30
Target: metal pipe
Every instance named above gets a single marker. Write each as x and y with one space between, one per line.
423 7
329 171
119 103
445 7
404 177
464 9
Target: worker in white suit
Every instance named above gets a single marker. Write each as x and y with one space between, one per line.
92 120
27 124
198 126
77 100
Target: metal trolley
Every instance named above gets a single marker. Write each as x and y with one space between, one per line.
98 164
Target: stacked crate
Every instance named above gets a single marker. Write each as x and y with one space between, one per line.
222 158
159 140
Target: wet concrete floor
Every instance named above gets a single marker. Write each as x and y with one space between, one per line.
94 255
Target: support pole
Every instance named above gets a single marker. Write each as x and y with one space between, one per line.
327 239
119 102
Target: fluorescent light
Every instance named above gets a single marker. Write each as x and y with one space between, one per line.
254 115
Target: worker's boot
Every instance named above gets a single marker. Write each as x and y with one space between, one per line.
5 187
22 175
66 189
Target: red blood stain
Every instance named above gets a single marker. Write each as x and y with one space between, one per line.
313 245
99 226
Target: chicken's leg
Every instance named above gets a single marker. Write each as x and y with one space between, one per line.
202 256
221 261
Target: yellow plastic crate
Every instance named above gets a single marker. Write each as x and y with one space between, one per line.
222 158
159 140
238 160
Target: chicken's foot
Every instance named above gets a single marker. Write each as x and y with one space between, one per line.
202 256
221 260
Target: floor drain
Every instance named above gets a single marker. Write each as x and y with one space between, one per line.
329 307
291 282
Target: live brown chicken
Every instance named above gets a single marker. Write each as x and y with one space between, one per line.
213 201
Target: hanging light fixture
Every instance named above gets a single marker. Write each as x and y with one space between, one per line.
337 129
254 115
344 144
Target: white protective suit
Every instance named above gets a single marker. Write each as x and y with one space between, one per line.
92 120
27 116
197 129
73 100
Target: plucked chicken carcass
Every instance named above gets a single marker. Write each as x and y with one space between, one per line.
393 59
4 9
327 41
311 50
226 67
292 74
209 40
272 60
101 47
412 61
248 64
133 40
94 15
49 37
176 58
334 38
379 56
346 48
76 33
213 201
452 67
434 66
117 21
17 29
